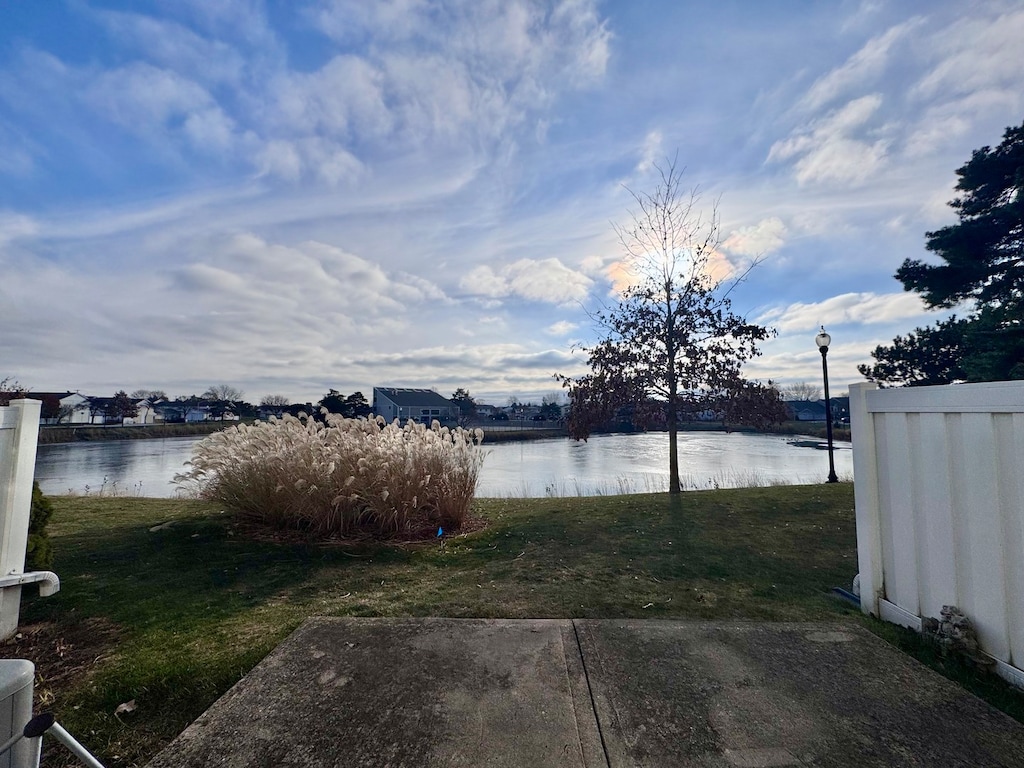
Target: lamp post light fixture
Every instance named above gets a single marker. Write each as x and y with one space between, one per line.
823 340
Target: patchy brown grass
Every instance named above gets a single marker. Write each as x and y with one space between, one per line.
185 610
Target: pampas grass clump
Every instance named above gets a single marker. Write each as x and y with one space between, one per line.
341 477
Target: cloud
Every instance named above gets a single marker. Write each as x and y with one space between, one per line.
546 280
561 328
975 54
512 38
859 308
651 153
802 362
865 66
344 99
322 158
511 358
827 151
19 151
451 76
175 46
449 80
146 99
974 75
766 236
14 226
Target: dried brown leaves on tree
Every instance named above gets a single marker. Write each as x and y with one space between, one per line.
671 348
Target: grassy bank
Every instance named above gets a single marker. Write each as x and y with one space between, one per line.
86 433
813 428
167 603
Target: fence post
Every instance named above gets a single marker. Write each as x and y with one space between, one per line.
17 469
866 499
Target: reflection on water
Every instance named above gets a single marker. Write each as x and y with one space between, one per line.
610 464
606 464
132 467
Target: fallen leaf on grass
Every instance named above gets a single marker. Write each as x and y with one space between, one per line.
125 709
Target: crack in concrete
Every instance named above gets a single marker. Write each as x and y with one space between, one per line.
590 693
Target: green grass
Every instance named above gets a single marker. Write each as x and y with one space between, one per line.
196 604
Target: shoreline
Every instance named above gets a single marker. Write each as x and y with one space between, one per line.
503 434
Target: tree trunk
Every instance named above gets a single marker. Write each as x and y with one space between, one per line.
673 450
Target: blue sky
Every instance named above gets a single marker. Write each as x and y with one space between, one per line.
293 196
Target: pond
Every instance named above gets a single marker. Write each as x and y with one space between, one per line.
606 464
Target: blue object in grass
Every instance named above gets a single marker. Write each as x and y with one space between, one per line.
440 532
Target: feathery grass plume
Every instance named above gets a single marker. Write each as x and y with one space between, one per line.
341 476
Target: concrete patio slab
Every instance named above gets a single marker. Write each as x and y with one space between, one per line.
671 693
590 693
404 692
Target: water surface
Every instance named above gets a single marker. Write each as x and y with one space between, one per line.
606 464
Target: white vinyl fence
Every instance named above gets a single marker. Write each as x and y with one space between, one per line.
19 430
939 485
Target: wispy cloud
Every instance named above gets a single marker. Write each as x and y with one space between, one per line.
834 148
857 308
561 328
861 70
765 237
546 280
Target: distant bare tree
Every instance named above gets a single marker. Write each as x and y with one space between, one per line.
224 392
10 389
801 390
97 407
64 412
275 401
149 394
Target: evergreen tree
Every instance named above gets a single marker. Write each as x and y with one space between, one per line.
983 266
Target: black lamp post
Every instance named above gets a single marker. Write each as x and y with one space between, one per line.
823 340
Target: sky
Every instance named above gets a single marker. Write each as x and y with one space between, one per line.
289 197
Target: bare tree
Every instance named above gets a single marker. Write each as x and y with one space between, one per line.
671 344
801 390
275 401
223 392
64 412
10 389
149 394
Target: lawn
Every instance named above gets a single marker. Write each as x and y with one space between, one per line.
167 603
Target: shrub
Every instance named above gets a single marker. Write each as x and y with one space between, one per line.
340 477
39 552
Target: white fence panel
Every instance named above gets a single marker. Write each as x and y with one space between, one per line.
939 485
19 429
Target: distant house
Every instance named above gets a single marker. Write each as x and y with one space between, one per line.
178 411
61 407
264 412
422 405
485 411
101 410
147 413
806 410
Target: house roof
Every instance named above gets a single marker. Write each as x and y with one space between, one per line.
413 397
806 406
50 400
